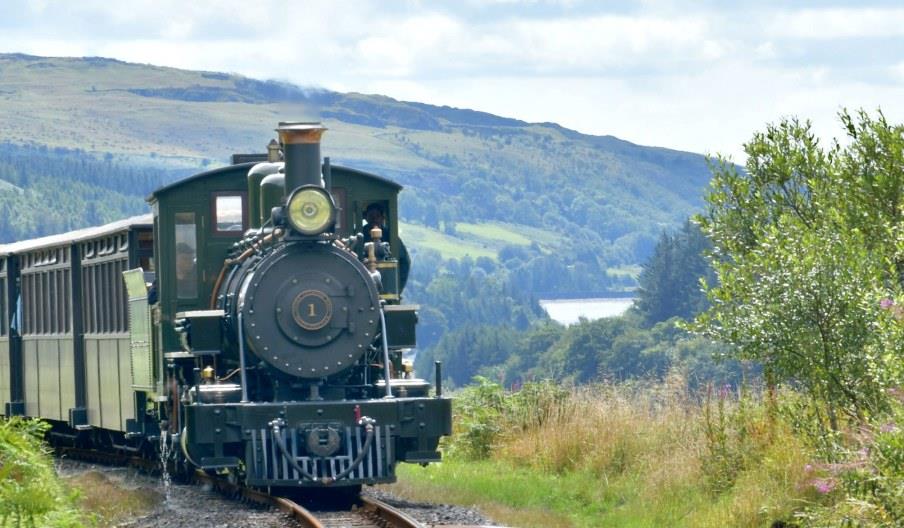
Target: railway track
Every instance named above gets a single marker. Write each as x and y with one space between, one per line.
362 512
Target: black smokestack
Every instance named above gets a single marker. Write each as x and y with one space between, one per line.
301 147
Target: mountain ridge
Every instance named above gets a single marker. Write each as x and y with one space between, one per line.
607 198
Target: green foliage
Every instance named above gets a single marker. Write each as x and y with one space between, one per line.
617 348
807 243
735 435
466 300
669 285
484 412
51 191
30 494
478 418
579 353
472 312
623 348
864 487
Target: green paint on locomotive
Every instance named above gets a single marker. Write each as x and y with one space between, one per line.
218 430
89 340
192 202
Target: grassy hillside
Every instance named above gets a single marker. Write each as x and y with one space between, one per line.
607 198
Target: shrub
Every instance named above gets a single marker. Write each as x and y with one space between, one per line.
478 414
30 494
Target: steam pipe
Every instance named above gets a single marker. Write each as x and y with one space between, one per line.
385 354
242 375
438 377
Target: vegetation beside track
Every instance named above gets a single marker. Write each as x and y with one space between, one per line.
658 455
31 494
108 502
806 248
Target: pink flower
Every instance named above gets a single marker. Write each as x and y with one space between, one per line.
886 303
824 486
725 391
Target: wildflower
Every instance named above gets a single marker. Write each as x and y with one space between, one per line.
724 391
824 486
886 303
889 428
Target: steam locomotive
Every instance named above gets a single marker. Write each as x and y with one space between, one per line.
247 326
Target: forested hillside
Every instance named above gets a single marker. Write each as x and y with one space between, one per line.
474 320
604 201
496 212
45 191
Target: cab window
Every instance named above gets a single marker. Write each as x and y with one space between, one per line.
186 256
376 211
229 214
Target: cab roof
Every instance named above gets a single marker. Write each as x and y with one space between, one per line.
245 167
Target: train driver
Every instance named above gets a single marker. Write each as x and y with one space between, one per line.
376 217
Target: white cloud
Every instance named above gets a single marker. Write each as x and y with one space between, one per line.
435 45
656 73
897 71
766 50
177 29
834 23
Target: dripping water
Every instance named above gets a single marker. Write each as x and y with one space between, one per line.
165 452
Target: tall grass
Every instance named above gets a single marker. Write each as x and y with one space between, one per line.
642 454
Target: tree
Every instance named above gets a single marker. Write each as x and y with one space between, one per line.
670 280
807 242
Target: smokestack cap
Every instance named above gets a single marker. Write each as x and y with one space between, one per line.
300 133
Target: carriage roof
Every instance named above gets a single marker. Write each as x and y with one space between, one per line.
79 235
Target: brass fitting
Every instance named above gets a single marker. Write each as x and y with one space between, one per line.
207 374
371 255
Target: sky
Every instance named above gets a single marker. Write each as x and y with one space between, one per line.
697 76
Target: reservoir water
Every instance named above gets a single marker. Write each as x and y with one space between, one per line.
568 311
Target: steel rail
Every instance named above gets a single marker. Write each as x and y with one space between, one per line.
394 518
385 515
302 516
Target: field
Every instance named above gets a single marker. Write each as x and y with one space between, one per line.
475 240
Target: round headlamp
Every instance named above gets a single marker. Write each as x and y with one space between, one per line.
311 210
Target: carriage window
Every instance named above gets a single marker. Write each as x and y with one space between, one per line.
229 213
186 256
146 240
